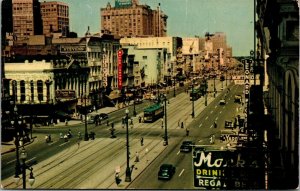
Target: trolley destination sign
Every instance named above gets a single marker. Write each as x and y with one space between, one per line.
220 169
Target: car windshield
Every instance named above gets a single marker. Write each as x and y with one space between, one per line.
186 142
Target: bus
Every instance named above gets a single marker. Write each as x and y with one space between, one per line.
153 112
195 94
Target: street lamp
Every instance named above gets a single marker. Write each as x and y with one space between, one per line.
134 112
215 86
206 86
23 169
128 171
14 124
86 136
193 98
164 98
174 86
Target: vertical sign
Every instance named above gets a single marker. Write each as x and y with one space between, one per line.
120 54
248 75
105 71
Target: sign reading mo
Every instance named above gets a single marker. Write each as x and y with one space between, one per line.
219 169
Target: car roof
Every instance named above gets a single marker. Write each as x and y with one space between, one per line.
166 165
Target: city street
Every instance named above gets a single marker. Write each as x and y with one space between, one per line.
59 163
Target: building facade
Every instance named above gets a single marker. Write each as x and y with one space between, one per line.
128 18
278 52
144 66
55 17
171 44
26 18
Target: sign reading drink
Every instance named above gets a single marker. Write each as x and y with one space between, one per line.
120 54
219 169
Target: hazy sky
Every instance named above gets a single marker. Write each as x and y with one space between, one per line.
186 18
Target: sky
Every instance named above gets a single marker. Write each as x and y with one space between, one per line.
186 18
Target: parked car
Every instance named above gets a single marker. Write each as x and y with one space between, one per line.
238 99
186 146
90 118
166 172
103 116
138 100
222 102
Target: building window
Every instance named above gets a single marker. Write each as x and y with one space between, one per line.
32 90
40 90
14 90
23 92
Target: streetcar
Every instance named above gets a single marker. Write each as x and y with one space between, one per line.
153 112
195 94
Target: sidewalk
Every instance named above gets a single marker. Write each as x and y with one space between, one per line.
10 146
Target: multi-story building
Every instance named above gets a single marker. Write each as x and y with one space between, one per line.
6 20
170 43
144 66
128 18
219 41
55 17
26 18
278 52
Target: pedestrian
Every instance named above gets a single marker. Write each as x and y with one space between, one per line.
162 123
131 121
112 125
215 124
182 126
142 141
66 137
137 157
66 122
187 132
140 119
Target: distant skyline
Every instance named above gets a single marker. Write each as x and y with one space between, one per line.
186 18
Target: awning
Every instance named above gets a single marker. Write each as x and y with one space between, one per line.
113 96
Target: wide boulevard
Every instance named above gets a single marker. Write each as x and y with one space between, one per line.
92 164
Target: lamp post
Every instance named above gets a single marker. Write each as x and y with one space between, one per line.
193 98
86 136
206 96
215 86
164 97
14 124
128 171
174 86
23 169
134 111
226 76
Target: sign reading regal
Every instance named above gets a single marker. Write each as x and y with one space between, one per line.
219 169
120 54
123 3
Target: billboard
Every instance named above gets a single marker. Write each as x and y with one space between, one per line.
120 54
219 169
123 3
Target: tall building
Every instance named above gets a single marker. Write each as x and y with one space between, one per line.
26 18
128 18
219 41
277 30
6 19
55 16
